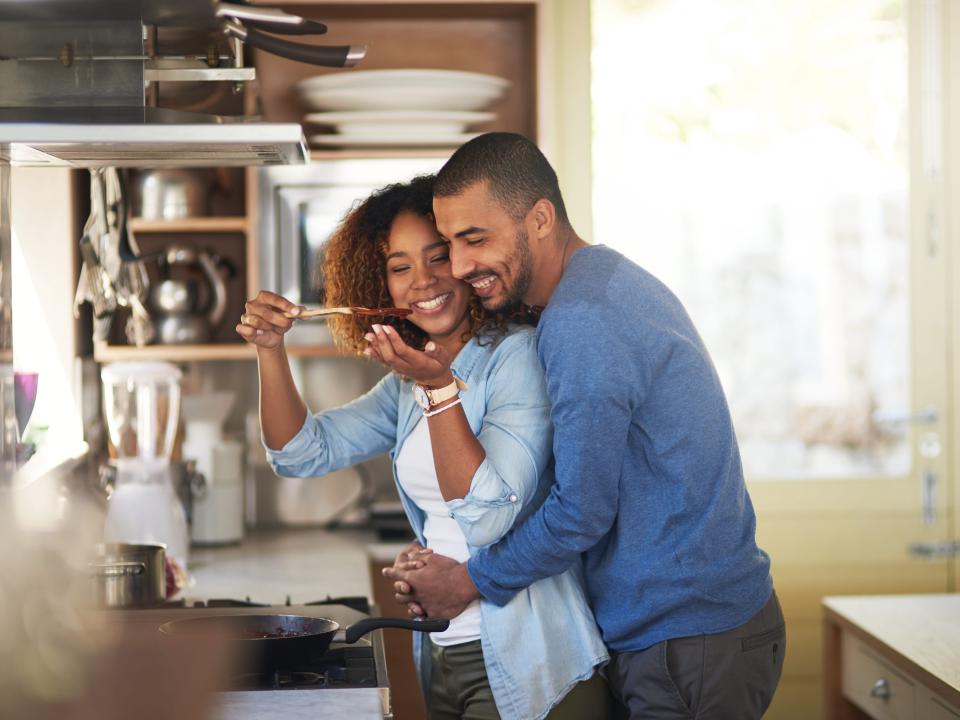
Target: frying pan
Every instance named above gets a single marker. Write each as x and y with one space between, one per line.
287 642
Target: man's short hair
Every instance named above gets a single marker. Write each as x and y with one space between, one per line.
515 170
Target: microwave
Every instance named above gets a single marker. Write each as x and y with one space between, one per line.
300 206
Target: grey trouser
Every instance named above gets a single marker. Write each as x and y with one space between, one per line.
725 676
459 689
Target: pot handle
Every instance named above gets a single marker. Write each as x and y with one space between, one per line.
118 569
219 288
307 27
325 55
362 627
270 19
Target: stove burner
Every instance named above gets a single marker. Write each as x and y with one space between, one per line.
341 667
277 681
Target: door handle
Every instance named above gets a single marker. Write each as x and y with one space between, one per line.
881 690
926 416
936 549
929 497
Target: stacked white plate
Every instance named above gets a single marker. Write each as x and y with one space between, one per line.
399 107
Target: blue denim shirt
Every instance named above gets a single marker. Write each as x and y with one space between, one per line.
544 641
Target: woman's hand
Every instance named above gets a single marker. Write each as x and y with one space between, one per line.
412 557
263 323
429 367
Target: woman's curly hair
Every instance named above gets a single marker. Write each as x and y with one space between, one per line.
354 270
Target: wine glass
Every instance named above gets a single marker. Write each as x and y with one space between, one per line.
24 398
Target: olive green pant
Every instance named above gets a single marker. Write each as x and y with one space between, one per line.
459 689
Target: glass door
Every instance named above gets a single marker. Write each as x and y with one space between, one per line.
779 165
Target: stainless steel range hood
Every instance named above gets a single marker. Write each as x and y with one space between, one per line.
75 83
143 137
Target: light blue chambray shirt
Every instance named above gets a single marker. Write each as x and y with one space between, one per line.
545 640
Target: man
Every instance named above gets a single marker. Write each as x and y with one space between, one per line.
649 494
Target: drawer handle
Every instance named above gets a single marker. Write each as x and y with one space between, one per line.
881 690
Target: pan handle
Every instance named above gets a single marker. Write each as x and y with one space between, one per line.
362 627
307 27
326 55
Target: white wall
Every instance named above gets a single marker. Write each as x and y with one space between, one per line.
568 123
43 287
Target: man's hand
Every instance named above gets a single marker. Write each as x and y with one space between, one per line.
441 589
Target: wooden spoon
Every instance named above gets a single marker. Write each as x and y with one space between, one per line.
369 312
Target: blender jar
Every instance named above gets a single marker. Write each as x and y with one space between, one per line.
141 404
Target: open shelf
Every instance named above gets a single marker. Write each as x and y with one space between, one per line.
189 353
236 224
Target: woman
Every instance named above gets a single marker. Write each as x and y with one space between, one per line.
465 418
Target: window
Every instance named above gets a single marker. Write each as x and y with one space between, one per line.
754 156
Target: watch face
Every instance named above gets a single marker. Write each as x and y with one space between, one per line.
420 395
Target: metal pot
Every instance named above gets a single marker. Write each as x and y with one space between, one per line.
181 316
173 193
130 576
176 296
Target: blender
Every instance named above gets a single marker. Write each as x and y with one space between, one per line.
141 404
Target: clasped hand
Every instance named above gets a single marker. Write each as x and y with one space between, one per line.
430 585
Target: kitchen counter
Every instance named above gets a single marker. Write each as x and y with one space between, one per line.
894 656
305 564
334 705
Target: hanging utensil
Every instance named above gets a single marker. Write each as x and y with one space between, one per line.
324 55
250 25
132 280
270 19
95 285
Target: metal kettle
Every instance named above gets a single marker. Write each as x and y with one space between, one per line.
184 312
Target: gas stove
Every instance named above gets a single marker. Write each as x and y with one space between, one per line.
352 676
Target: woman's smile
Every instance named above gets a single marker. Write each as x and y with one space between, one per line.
432 305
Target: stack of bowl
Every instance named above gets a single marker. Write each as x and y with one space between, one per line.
398 108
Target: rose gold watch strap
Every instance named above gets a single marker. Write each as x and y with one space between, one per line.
442 394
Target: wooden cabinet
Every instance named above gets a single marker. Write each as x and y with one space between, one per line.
510 39
405 694
230 238
506 39
226 238
892 657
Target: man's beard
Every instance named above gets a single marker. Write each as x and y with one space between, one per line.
522 261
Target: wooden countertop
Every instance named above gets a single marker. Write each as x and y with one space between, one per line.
921 633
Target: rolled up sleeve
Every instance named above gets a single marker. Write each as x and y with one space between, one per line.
341 437
516 437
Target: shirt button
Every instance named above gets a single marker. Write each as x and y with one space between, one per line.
451 514
513 498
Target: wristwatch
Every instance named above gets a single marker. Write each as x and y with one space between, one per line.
428 397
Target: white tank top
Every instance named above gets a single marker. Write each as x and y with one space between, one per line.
418 478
